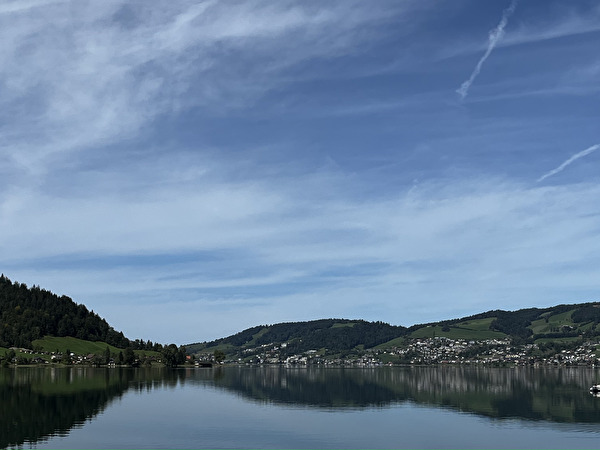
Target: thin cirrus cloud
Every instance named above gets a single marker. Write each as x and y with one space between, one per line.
109 81
569 161
439 242
434 239
495 36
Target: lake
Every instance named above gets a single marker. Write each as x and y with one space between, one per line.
299 407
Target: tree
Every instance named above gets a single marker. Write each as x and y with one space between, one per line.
181 355
173 356
10 355
129 356
219 356
169 354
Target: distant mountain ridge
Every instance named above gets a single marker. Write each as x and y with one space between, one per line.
342 335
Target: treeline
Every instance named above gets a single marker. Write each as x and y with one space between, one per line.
333 334
30 313
515 323
27 314
339 336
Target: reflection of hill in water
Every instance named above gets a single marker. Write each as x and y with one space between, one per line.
552 394
38 403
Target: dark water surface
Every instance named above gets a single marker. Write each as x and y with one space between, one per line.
279 407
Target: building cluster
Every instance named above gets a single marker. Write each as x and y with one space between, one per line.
436 350
44 357
440 350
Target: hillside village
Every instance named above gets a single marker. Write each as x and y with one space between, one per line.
435 350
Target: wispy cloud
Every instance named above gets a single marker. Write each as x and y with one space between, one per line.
567 22
572 159
118 66
494 37
285 245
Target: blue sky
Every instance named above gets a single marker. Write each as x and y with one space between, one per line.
191 169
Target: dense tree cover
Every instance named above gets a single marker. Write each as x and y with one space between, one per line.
27 314
333 334
219 356
587 313
515 323
173 356
340 338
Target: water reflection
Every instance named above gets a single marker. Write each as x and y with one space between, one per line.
37 403
550 394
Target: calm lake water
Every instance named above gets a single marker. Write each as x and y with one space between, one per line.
279 407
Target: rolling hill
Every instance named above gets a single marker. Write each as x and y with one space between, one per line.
27 314
331 336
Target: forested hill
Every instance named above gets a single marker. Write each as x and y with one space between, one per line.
27 314
338 335
334 334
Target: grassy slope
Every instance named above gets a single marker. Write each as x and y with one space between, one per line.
398 342
3 352
550 322
258 335
81 347
472 329
554 321
343 325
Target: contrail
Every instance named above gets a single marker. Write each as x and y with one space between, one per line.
573 158
494 37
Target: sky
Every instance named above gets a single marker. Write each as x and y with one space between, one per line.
190 169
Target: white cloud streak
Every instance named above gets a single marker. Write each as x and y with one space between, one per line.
571 160
494 37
